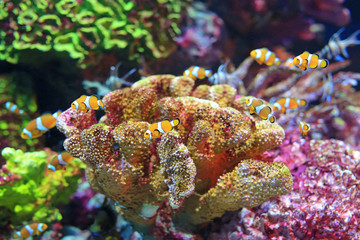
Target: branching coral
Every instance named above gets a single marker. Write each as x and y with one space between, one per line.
86 29
203 167
29 192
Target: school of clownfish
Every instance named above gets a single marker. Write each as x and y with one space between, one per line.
259 107
40 125
335 49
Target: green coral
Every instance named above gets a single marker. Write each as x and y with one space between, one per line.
34 193
86 30
16 88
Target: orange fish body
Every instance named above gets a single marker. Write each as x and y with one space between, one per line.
289 63
156 130
264 55
60 161
306 59
12 107
288 103
84 103
40 125
196 72
258 107
304 128
30 230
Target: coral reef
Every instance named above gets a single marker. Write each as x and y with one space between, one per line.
12 89
202 34
85 30
29 192
327 11
210 158
323 205
332 110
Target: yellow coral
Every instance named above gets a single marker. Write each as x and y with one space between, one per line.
178 167
248 185
203 165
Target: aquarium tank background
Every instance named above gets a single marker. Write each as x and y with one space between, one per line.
170 119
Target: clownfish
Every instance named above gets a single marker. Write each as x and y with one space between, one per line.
264 55
40 125
84 103
157 129
288 103
289 63
304 128
257 106
307 59
60 161
196 72
12 107
30 230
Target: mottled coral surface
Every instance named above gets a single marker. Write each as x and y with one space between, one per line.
202 168
323 205
85 30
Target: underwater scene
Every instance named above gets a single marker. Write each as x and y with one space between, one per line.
179 119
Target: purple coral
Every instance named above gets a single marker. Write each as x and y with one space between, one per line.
323 205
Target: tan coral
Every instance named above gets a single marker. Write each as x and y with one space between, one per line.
178 167
208 152
221 94
248 185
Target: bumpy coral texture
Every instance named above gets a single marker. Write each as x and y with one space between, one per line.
85 29
323 205
29 191
203 167
11 124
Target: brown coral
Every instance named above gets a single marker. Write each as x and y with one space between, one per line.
207 158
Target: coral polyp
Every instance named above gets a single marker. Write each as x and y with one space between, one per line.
85 30
205 166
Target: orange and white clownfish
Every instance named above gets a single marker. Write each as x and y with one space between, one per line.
30 230
288 103
304 128
264 55
12 107
60 161
306 59
289 63
258 107
157 129
84 103
40 125
196 72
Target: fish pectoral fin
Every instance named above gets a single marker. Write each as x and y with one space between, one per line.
157 133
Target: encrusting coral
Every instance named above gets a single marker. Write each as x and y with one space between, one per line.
203 167
323 205
84 30
29 192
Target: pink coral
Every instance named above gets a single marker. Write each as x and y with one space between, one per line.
323 205
328 10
